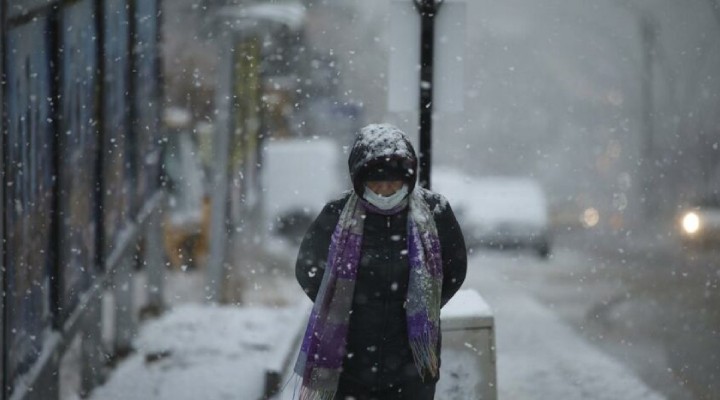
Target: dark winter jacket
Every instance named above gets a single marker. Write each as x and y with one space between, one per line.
378 351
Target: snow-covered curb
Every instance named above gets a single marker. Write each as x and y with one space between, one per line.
205 352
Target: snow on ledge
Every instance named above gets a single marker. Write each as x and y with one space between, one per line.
466 310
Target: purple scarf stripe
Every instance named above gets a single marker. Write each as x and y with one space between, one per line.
418 323
434 253
347 263
332 354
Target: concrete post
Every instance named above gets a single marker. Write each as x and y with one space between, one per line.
123 288
92 364
153 261
468 330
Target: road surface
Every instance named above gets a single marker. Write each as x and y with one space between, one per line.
649 304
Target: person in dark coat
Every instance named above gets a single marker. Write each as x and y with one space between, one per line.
378 263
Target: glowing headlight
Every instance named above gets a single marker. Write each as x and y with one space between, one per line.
691 223
590 217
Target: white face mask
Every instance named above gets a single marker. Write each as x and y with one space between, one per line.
386 202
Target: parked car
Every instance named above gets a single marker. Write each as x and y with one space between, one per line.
299 176
699 224
498 212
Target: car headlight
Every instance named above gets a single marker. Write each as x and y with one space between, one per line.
590 217
691 223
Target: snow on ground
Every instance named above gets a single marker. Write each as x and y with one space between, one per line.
218 352
203 352
539 357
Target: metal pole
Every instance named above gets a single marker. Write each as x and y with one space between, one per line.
56 275
100 201
3 356
221 142
153 257
427 9
649 182
152 233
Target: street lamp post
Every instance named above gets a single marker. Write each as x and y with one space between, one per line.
648 33
428 10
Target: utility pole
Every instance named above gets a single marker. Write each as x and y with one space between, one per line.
648 33
428 9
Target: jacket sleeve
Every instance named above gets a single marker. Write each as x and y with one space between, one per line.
454 253
312 257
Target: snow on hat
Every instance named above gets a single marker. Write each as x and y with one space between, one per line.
382 152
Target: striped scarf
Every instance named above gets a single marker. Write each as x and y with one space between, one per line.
324 344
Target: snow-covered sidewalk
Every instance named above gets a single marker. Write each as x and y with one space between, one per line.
205 352
221 352
539 356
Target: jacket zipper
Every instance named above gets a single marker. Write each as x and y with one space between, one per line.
382 345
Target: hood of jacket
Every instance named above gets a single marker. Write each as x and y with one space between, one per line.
380 145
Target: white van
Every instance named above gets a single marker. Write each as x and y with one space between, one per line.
499 212
299 176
